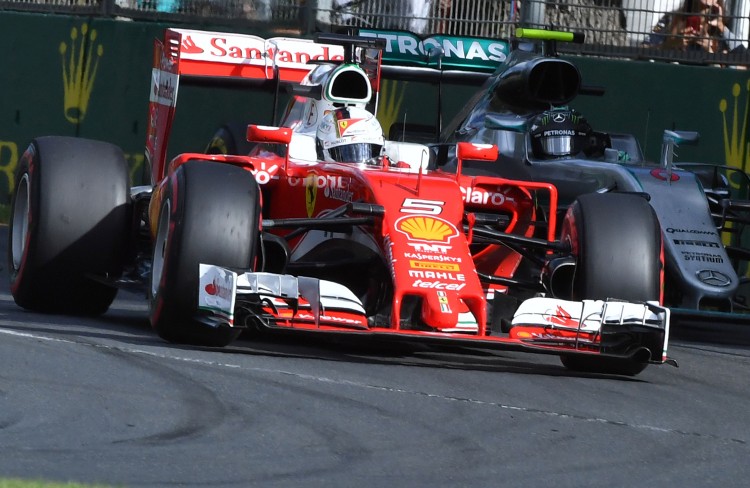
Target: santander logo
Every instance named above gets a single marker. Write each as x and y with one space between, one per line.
216 289
188 46
560 317
249 49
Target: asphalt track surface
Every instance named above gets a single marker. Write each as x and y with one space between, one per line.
105 400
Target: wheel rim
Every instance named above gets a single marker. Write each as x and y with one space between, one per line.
160 248
20 228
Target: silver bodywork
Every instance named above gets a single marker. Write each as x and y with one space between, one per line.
693 250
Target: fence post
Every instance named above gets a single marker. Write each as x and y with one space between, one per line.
532 13
107 7
308 16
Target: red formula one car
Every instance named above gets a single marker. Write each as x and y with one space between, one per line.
326 227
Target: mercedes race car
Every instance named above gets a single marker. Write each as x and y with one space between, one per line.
325 226
524 107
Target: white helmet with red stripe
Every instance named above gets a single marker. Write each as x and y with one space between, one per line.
349 135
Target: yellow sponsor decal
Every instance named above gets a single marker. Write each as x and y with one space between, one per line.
426 228
311 193
434 266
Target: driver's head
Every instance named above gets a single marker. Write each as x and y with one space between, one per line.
349 135
558 133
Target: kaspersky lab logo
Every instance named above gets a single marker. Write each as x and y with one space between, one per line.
80 60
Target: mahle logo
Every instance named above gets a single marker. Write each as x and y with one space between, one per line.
80 60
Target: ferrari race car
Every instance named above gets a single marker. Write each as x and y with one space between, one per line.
523 108
326 228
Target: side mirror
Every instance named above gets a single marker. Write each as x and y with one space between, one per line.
671 140
273 135
681 137
474 152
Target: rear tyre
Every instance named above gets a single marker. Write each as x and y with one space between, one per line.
210 214
616 238
230 138
69 225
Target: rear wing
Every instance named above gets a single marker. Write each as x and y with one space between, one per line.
457 59
476 61
204 57
439 58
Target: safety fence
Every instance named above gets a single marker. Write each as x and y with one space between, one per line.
713 32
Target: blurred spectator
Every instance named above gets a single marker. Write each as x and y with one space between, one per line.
263 10
696 25
409 15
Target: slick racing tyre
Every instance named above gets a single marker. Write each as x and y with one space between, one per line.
210 214
69 225
616 239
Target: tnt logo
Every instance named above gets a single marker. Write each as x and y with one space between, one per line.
429 248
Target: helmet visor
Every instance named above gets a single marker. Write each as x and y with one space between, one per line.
558 145
354 153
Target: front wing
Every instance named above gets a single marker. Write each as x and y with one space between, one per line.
610 328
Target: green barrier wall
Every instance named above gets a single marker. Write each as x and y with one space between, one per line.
90 77
645 98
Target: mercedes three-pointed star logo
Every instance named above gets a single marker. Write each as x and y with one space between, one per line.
714 278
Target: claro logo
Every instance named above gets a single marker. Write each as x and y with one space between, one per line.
483 197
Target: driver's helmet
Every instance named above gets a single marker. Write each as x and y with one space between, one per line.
349 135
559 132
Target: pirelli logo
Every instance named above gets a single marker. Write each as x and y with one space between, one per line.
434 266
691 242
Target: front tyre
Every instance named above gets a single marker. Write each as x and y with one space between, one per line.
69 225
210 214
616 238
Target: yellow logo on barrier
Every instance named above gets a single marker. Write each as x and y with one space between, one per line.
80 60
391 98
736 148
735 138
8 162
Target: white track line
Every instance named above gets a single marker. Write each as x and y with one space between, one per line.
356 384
